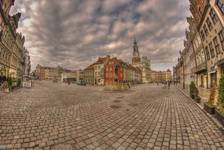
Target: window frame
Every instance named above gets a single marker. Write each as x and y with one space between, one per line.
221 38
220 5
202 34
208 56
212 50
205 30
213 16
217 45
209 24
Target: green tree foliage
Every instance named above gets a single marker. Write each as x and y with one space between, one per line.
221 93
10 83
193 90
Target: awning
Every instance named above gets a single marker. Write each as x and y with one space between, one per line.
204 70
220 62
211 72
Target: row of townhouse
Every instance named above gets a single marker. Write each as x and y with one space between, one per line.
55 73
14 57
202 59
107 71
161 76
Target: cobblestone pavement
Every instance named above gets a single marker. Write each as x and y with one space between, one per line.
63 117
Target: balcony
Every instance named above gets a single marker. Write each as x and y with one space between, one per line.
201 68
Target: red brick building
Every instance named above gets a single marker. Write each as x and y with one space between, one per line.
113 71
117 71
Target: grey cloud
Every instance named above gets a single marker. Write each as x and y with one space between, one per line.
73 33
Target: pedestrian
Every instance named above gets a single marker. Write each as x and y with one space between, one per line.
168 82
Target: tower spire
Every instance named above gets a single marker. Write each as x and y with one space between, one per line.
135 49
136 56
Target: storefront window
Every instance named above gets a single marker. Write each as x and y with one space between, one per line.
213 80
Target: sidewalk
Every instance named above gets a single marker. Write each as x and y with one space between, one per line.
201 105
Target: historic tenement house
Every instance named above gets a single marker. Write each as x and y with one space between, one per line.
143 63
206 38
14 58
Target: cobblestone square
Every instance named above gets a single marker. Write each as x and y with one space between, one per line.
61 116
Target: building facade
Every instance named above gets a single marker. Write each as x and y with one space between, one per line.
142 63
88 75
99 70
50 73
14 58
117 71
206 39
161 76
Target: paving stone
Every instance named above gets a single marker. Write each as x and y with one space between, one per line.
55 115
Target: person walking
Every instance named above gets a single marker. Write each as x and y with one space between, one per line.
168 83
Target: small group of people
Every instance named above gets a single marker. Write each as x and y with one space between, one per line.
167 83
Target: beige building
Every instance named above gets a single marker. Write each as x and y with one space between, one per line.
161 76
204 46
88 75
12 51
99 71
142 63
51 73
69 75
211 29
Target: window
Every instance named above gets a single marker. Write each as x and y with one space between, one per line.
221 38
205 30
217 46
220 4
209 24
207 53
202 35
212 51
213 16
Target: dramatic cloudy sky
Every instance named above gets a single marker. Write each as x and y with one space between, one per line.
73 33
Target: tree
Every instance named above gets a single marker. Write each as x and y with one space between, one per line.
221 94
193 90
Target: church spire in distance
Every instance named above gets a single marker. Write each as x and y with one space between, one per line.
136 60
135 49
